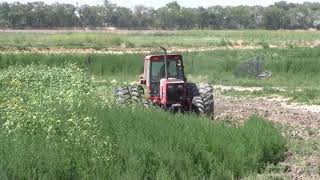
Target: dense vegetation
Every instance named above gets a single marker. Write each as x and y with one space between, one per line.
54 126
296 67
171 16
46 127
295 70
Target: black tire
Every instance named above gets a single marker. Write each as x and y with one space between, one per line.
131 94
136 93
146 103
122 95
137 96
198 105
202 100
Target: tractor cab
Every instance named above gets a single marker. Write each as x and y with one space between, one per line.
165 79
167 87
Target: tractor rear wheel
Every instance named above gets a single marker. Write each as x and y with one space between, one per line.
202 98
132 94
136 92
122 95
146 103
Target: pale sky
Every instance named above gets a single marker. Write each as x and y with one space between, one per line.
158 3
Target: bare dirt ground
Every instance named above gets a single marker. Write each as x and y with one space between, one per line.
300 124
274 109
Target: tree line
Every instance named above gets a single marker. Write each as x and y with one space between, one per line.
38 15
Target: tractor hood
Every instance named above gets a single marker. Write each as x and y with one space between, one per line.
172 91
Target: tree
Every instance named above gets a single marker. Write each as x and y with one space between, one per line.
63 15
122 17
272 17
142 16
172 15
4 15
92 16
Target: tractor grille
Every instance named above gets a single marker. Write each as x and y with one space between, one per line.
175 93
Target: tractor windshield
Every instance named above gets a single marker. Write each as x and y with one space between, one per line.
158 72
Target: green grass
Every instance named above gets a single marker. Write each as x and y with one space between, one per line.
180 147
296 70
54 126
297 67
189 38
46 127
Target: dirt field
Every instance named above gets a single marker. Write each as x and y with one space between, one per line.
274 108
300 124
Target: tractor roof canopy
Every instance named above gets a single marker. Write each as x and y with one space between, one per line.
161 57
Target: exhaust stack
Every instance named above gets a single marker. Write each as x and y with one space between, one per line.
165 62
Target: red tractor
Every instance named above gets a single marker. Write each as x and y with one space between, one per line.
167 87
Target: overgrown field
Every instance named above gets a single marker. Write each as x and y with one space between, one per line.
54 125
130 39
294 70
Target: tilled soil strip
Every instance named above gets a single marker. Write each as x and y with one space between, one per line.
275 109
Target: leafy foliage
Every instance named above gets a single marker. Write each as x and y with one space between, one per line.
53 126
46 128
